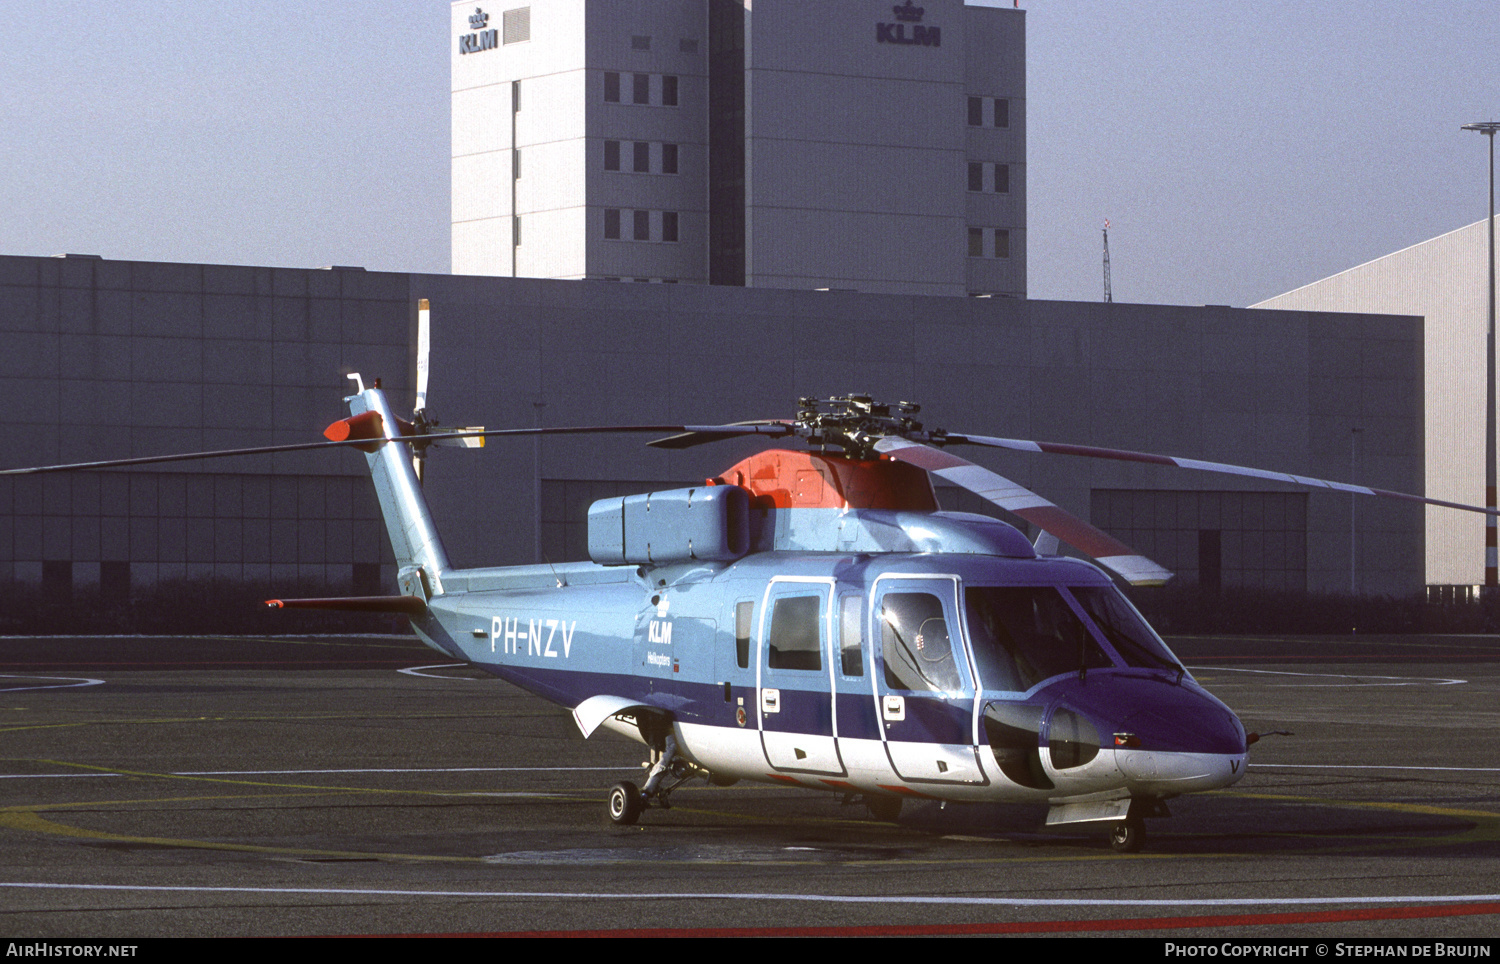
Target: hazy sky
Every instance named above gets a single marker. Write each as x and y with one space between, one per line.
1238 149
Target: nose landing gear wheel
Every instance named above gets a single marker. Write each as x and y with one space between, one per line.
625 803
1128 836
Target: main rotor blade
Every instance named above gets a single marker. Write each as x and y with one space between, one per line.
703 434
1110 552
1121 455
727 430
186 457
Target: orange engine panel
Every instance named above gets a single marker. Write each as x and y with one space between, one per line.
812 480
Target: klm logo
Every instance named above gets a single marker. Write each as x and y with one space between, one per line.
480 39
908 15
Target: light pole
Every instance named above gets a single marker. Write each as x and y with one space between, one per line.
1491 574
536 459
1353 515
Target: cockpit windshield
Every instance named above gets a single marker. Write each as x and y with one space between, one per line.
1129 635
1024 634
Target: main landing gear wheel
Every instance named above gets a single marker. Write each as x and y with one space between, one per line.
1128 836
625 804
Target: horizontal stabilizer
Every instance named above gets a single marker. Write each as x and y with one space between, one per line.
410 605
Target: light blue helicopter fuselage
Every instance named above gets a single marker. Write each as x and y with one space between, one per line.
873 651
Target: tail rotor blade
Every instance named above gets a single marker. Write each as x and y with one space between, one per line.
424 346
1110 552
468 437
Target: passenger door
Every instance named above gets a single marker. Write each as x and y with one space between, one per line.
795 685
922 680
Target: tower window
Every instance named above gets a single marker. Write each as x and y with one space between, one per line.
611 87
989 111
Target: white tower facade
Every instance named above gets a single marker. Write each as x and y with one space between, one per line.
850 144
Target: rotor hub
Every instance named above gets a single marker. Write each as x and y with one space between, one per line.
854 423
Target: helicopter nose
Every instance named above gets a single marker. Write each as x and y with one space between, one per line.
1175 719
1174 737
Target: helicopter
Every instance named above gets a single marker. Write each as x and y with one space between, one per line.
811 618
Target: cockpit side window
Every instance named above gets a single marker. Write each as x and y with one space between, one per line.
1025 634
1123 627
915 644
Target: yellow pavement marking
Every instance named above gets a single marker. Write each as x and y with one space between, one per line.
25 820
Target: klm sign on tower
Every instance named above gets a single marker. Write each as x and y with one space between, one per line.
908 15
480 39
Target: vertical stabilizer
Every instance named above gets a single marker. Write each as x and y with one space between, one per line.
419 551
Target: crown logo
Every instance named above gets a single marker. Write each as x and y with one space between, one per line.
479 18
908 12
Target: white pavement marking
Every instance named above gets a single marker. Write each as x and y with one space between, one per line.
251 773
944 899
417 671
260 773
1391 680
1370 766
70 681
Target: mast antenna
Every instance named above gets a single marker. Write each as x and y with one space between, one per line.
1108 295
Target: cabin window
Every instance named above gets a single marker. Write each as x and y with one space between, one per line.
1025 634
795 642
915 644
851 609
742 623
